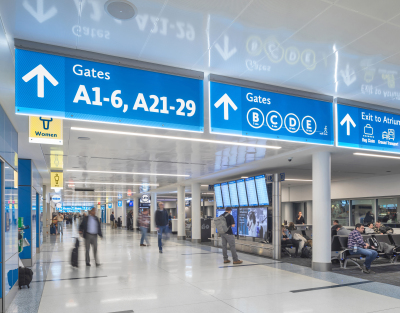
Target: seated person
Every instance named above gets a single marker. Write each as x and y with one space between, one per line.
291 226
335 223
334 230
370 228
287 239
341 231
377 228
356 240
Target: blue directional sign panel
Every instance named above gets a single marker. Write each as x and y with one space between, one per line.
56 86
242 111
367 129
119 203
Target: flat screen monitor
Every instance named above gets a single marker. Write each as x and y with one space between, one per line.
218 195
235 217
225 194
233 193
253 222
251 191
262 192
241 188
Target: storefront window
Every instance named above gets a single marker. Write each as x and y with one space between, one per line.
387 210
362 211
340 211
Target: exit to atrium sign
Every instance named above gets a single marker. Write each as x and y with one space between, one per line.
56 86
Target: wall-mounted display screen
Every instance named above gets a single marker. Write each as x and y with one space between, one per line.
233 193
253 222
241 188
251 191
234 213
218 195
262 192
225 194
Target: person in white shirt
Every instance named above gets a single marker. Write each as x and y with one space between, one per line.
90 228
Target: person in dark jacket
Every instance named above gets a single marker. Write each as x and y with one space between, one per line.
90 228
161 223
368 218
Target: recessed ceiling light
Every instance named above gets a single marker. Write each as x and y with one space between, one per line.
376 155
174 138
244 177
120 9
83 138
127 173
124 184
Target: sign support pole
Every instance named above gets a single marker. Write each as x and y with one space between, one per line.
276 217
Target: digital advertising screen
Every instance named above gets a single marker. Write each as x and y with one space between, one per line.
251 191
253 222
225 194
262 192
233 193
241 188
218 195
235 217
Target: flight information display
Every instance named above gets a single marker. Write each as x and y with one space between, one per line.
251 191
262 191
233 193
225 194
241 188
218 196
234 213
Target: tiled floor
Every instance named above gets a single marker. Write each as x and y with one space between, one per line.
188 278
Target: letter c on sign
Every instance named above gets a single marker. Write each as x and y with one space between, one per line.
273 117
79 70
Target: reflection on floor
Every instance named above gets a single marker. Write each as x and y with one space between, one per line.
188 278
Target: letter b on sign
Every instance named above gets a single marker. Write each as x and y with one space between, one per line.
255 118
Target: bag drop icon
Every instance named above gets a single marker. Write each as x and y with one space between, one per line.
368 130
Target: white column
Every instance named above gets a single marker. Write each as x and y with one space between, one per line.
309 212
123 213
153 208
181 212
196 216
135 211
321 191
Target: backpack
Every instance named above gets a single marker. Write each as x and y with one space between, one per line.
306 252
24 276
74 254
220 224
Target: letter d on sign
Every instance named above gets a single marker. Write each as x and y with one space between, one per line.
292 122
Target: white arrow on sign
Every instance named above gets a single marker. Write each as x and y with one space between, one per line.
41 73
227 102
347 119
226 53
39 14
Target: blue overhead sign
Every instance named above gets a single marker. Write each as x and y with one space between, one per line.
57 86
119 203
367 129
248 112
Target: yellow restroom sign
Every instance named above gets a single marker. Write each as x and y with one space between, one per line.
57 180
45 130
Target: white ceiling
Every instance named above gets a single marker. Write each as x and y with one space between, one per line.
343 48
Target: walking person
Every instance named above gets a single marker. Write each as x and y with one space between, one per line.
161 224
228 237
60 221
144 221
90 228
112 220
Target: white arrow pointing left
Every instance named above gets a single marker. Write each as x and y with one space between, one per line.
41 73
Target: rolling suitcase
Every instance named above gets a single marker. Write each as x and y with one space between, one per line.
74 255
52 229
24 276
